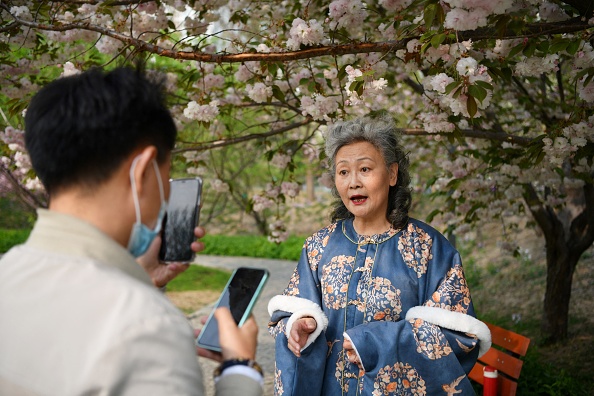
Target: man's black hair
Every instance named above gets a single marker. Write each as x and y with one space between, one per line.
79 129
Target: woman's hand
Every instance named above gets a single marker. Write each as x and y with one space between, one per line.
300 331
162 273
351 353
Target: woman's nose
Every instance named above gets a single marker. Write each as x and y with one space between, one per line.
354 181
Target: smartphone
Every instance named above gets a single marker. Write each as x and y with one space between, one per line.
183 212
240 296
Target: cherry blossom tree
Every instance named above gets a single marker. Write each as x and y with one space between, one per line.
498 94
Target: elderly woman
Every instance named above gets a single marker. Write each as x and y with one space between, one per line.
378 303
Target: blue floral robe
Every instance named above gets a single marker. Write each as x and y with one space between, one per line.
401 298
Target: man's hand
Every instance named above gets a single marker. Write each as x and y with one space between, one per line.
300 331
162 273
236 342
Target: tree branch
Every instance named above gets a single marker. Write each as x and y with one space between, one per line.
582 232
26 196
532 30
229 142
473 133
538 210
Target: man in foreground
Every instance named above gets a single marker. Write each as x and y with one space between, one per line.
79 315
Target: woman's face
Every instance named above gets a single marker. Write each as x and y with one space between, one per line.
363 181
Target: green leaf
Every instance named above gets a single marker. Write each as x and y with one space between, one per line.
451 87
342 73
558 45
425 46
529 50
543 46
484 84
272 68
573 47
478 92
515 50
507 73
429 14
432 215
437 39
471 106
278 93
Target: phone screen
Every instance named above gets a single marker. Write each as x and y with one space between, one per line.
182 217
239 296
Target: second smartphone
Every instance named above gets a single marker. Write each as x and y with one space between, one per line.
240 296
183 213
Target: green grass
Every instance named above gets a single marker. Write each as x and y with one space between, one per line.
14 216
10 238
253 246
197 277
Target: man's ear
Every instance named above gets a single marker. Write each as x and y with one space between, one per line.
144 166
393 171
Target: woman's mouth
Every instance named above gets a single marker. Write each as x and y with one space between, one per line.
358 199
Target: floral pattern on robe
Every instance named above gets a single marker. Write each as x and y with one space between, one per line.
365 286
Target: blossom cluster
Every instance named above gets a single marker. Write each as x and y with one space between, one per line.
18 159
371 87
469 15
347 14
278 231
306 33
206 113
470 72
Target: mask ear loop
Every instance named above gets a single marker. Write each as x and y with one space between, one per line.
159 181
134 192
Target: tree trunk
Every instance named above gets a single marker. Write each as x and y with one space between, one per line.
310 185
568 234
560 267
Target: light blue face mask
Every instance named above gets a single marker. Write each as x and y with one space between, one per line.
141 236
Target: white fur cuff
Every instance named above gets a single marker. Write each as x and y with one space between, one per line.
454 321
299 308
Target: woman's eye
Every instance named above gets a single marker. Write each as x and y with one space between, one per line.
342 172
364 169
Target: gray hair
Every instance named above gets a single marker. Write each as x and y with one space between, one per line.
382 134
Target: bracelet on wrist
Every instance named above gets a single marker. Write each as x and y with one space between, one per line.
237 362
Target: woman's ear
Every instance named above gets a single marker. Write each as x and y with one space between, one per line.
144 165
393 171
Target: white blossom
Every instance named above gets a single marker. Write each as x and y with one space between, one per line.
205 113
258 92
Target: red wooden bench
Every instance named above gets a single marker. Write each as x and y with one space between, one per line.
504 355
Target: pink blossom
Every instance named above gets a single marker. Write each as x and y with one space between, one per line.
307 33
212 81
219 186
278 231
206 113
280 160
258 92
290 189
261 203
395 5
586 92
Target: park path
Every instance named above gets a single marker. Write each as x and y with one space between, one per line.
280 272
